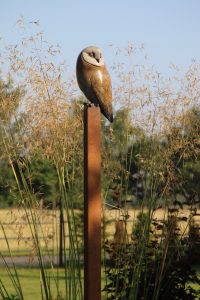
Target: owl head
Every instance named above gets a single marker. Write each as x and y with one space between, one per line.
93 56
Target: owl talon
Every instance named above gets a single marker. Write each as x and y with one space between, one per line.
96 104
86 104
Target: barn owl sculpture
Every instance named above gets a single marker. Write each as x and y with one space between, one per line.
94 80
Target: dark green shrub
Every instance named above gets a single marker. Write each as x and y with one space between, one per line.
152 266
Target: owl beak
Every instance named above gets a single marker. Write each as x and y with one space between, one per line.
98 59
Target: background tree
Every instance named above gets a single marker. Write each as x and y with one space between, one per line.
10 98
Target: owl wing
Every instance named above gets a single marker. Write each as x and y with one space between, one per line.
102 89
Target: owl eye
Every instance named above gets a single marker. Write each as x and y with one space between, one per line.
91 54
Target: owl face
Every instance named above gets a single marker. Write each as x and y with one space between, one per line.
93 56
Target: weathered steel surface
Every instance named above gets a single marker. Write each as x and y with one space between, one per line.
92 204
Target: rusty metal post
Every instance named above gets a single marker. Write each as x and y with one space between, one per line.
92 204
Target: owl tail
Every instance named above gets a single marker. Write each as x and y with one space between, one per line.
111 118
108 116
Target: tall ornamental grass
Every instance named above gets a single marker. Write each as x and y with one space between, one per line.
145 159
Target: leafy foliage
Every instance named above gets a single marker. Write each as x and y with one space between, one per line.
152 266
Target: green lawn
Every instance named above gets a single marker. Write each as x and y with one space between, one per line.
30 282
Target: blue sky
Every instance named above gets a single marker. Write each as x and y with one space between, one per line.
170 29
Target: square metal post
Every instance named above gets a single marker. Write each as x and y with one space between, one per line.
92 204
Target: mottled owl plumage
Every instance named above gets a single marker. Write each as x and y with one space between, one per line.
94 79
